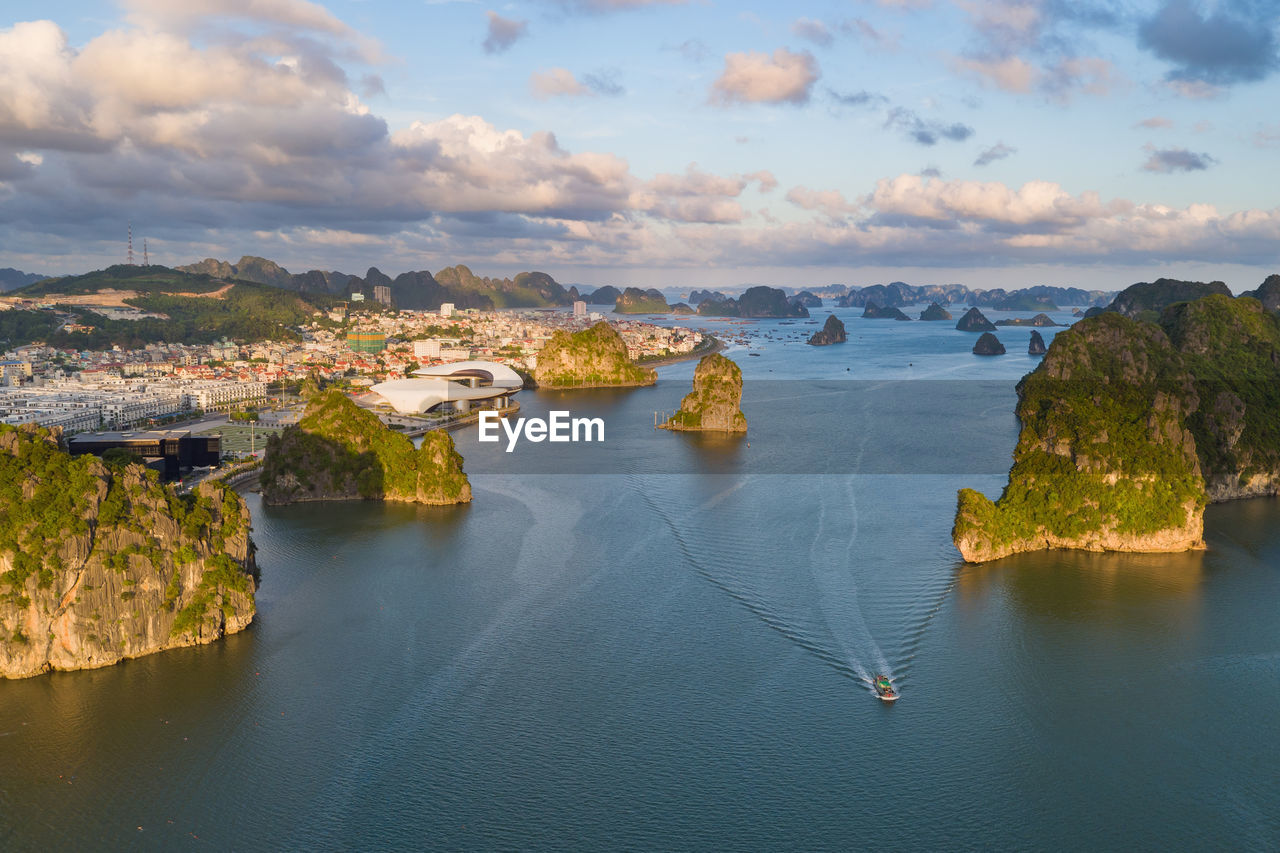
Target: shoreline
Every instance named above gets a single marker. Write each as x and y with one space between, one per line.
717 346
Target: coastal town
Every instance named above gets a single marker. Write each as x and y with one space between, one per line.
162 383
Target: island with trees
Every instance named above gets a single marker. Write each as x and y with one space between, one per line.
339 451
595 357
715 403
100 562
1130 427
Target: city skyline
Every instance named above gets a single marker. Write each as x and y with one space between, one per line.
667 144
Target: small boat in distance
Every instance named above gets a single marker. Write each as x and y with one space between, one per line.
884 688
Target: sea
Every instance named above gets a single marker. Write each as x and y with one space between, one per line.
664 641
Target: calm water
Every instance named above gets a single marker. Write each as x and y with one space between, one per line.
668 651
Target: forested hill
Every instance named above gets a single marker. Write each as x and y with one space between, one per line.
192 308
416 290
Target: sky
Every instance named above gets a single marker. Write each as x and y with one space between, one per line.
656 143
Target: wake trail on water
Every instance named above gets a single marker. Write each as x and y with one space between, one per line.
835 653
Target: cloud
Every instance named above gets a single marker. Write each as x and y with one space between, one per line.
556 82
830 203
768 183
931 172
503 32
1267 136
1166 160
694 50
999 151
606 6
784 77
1155 123
1010 73
605 82
299 14
857 99
812 30
925 132
1233 43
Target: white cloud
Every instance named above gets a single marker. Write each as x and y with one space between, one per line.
300 14
784 77
832 203
556 82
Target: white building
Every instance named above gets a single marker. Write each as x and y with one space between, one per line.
459 384
446 309
579 310
426 349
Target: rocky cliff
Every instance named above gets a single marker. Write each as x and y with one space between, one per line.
1129 428
339 451
100 563
592 358
872 311
988 344
975 321
715 403
832 332
633 300
935 312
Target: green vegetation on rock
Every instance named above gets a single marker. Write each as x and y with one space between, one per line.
1129 428
339 451
593 357
79 539
633 300
714 404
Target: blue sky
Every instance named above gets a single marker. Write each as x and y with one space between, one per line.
989 142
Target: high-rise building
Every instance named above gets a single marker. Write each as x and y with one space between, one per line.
579 310
382 294
446 309
367 341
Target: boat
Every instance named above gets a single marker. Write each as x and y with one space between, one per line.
884 688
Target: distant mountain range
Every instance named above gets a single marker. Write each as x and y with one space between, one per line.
11 279
417 290
1027 298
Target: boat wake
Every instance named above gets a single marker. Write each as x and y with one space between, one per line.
816 608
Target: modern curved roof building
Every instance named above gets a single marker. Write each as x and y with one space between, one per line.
490 372
460 383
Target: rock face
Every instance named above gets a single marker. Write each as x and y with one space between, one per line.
1024 301
633 300
339 451
592 358
1268 293
101 563
988 344
714 405
607 295
935 312
727 307
764 302
875 312
805 298
757 302
1129 428
1040 320
975 321
682 309
1148 298
832 332
1036 347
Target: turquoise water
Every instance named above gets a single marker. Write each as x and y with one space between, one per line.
671 653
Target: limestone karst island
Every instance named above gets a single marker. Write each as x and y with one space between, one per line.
1130 427
100 562
595 357
715 403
